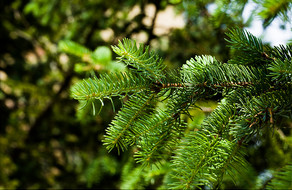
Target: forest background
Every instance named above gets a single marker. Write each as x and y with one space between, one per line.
44 143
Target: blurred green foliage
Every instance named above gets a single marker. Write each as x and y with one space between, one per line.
44 141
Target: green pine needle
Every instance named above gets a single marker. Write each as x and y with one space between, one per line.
141 58
107 86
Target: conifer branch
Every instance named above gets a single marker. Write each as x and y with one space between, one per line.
281 179
266 108
281 71
256 89
244 41
207 72
124 128
162 133
249 50
281 52
194 167
141 58
108 85
271 9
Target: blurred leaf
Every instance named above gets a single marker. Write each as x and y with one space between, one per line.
102 54
74 48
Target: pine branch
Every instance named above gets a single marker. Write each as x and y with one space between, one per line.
138 123
256 89
282 179
207 154
141 58
162 133
244 41
281 71
271 9
205 71
249 50
217 122
281 67
218 126
282 52
124 127
203 159
234 163
259 111
188 164
108 85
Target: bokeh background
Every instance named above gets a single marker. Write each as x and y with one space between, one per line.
45 142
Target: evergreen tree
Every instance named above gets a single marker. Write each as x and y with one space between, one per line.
255 94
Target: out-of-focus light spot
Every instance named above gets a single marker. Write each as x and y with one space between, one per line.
140 37
107 34
9 103
64 60
31 58
167 20
3 76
